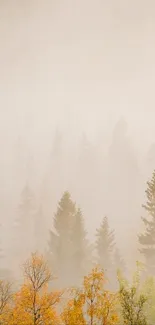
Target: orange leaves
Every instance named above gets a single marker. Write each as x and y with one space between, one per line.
34 305
73 313
92 304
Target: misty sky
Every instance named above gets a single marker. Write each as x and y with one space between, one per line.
90 60
77 65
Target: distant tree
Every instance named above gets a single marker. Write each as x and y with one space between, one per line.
123 188
105 242
119 262
80 248
24 226
52 185
40 231
60 238
147 239
88 175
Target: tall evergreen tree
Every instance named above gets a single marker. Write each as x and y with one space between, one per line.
147 239
60 238
80 249
105 242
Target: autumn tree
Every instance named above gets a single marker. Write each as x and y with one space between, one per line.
61 237
147 239
5 302
105 242
72 313
92 304
34 304
132 300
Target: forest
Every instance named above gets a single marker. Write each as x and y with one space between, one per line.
74 280
77 162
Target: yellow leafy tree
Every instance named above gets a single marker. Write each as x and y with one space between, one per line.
34 304
5 302
73 312
92 305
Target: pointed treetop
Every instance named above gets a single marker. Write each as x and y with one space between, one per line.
65 212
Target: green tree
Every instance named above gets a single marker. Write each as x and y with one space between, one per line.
147 239
105 242
133 300
80 260
61 237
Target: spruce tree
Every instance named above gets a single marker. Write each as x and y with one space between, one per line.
105 241
80 249
147 239
61 237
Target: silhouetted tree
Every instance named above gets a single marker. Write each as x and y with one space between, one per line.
147 239
61 237
80 249
105 242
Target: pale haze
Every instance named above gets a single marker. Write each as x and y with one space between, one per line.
70 71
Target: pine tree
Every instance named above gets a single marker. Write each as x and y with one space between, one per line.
80 248
60 238
147 239
105 245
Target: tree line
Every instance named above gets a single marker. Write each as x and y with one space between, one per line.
67 246
90 303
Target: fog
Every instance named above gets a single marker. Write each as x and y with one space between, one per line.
76 114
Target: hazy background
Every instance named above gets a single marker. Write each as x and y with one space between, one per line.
73 69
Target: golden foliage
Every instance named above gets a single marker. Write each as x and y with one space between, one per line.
33 304
92 303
